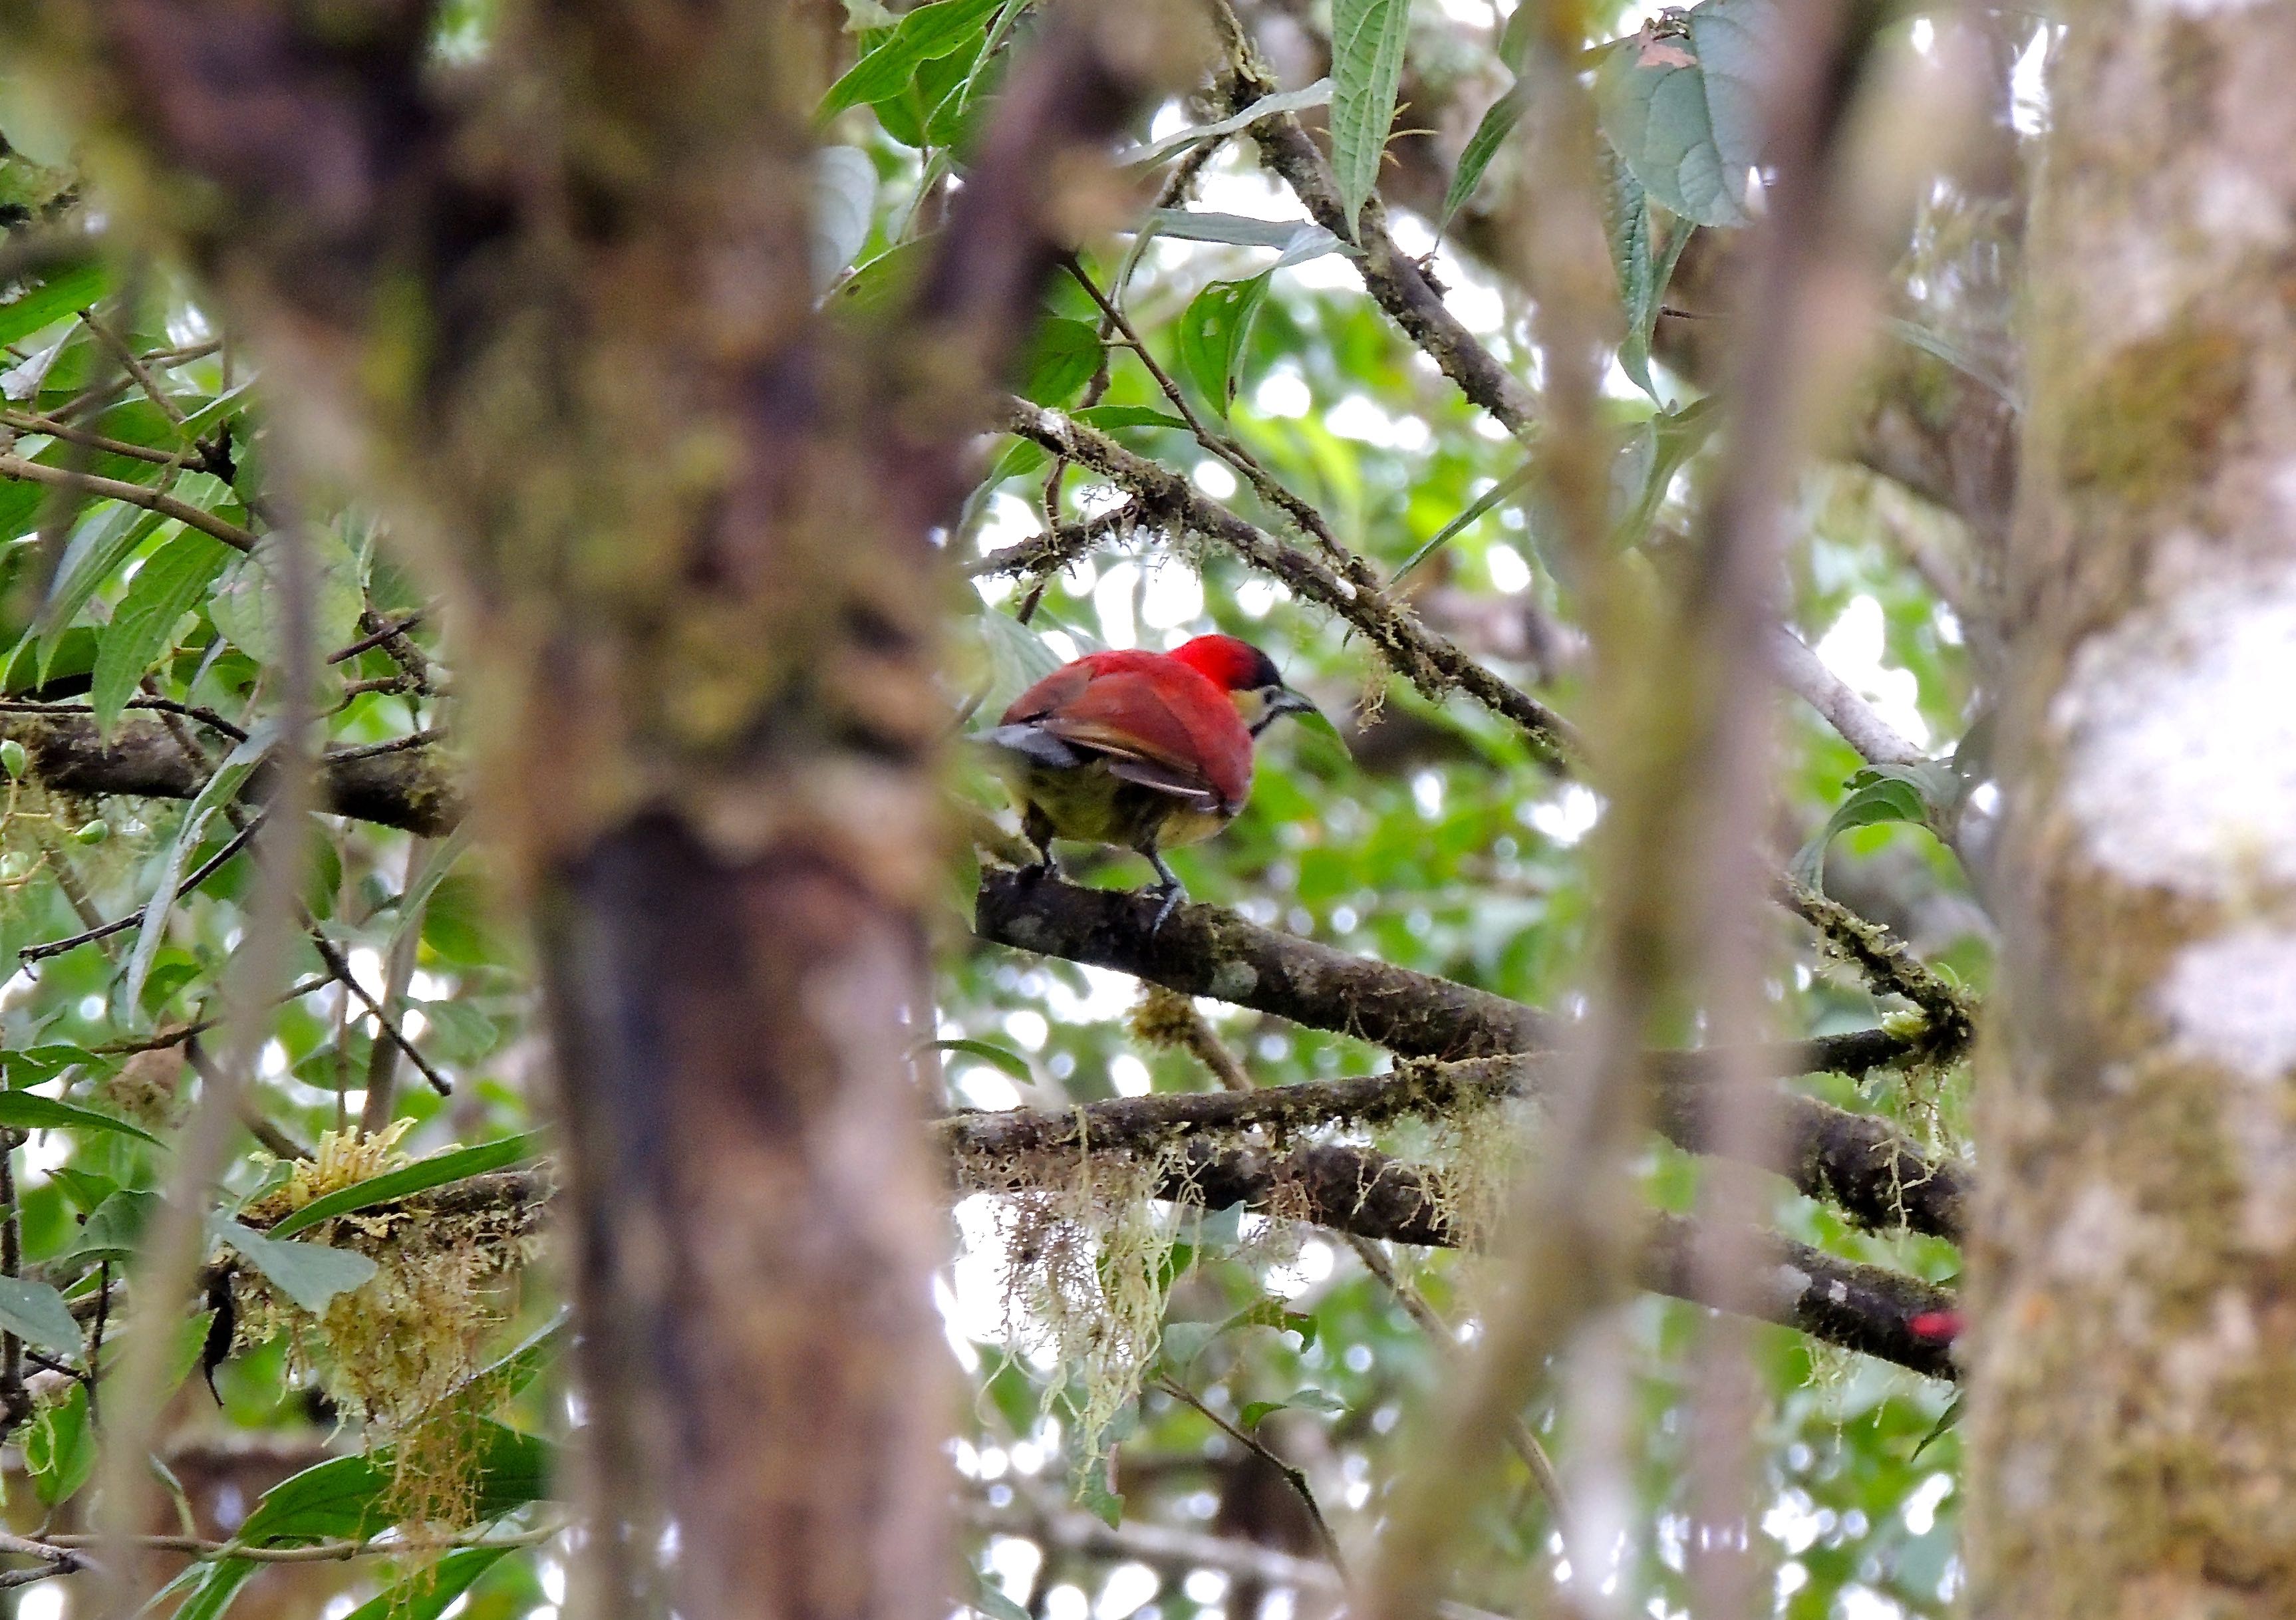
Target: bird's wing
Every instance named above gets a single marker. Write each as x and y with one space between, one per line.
1179 737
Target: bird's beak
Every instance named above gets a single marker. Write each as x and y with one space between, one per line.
1289 702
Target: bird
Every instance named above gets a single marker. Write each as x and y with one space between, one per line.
1143 750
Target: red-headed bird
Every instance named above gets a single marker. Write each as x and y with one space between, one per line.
1145 750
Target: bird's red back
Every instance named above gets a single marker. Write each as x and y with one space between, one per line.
1150 704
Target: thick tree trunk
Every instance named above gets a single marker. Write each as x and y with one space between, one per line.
2132 1440
563 328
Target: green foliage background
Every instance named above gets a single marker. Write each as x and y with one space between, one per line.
1439 842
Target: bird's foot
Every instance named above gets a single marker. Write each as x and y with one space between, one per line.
1047 870
1170 889
1172 895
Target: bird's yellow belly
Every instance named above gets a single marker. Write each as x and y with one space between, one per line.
1091 805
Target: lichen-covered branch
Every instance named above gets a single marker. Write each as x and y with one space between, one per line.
1866 1308
1861 1163
1202 950
1431 662
1890 966
411 788
1395 281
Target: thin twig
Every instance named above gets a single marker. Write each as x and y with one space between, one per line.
135 368
1430 661
368 642
207 869
132 495
1447 1345
318 1552
1295 1477
186 1032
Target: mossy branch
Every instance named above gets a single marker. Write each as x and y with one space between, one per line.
1396 282
1890 966
1430 661
412 788
1862 1164
1359 1190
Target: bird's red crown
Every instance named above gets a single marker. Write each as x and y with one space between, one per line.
1229 664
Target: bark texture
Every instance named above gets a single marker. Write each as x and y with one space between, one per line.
2132 1438
559 318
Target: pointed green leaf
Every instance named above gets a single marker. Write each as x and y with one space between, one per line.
425 1594
925 35
221 789
168 585
1061 359
1367 41
1498 122
44 303
308 1273
1317 95
36 1313
247 607
30 1111
60 1448
1215 332
423 1174
1681 101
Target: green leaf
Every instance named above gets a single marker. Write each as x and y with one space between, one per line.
114 1228
1482 504
1214 332
1305 1400
989 1599
518 1367
925 35
44 303
1949 1419
1368 40
425 1594
1018 659
214 1586
1268 106
30 1065
30 1111
844 203
933 95
1880 794
1012 1062
1498 122
1680 101
85 1191
220 789
246 606
1097 1495
1627 222
36 1313
1243 231
100 542
308 1273
1062 358
424 1174
169 585
340 1499
1126 416
1673 437
59 1448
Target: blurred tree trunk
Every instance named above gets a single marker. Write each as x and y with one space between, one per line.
559 320
2132 1440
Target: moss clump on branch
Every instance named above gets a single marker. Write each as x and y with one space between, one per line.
1085 1243
402 1351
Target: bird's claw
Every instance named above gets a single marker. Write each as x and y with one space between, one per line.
1172 893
